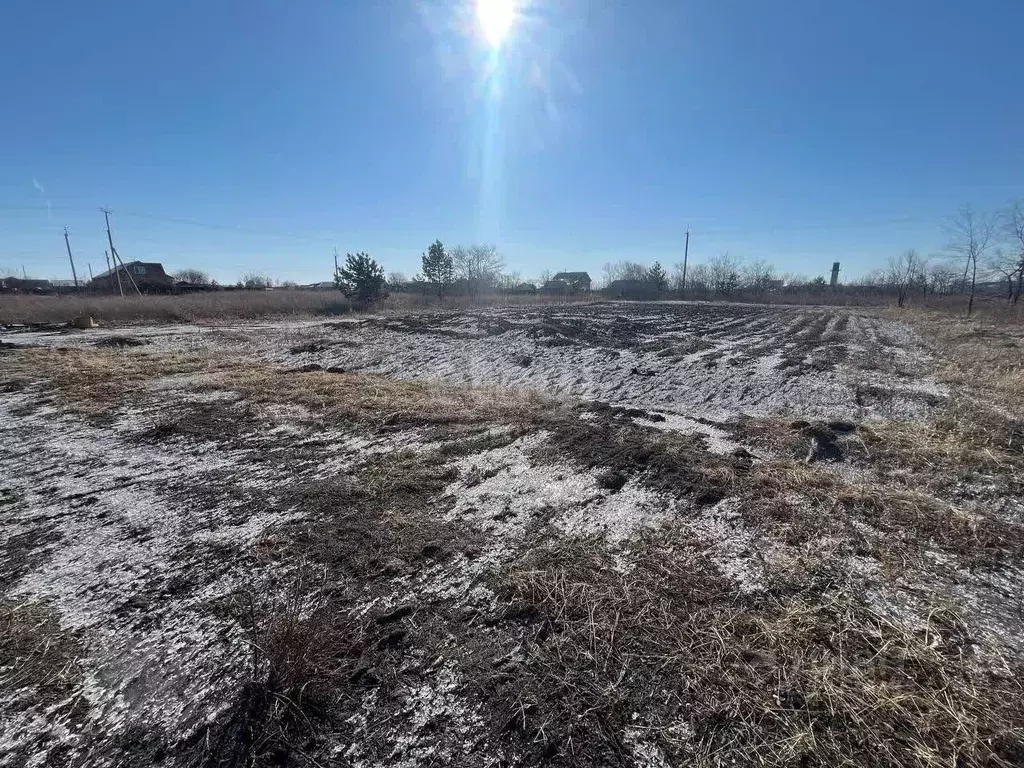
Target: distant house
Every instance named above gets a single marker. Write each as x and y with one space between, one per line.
19 285
575 282
149 276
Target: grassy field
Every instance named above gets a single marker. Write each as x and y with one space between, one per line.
326 546
226 306
222 306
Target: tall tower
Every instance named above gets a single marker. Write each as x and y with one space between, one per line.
835 275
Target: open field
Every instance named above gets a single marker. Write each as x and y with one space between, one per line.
222 306
244 305
583 534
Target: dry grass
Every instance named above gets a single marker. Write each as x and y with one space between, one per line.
294 671
379 400
976 438
39 661
97 381
969 449
94 382
224 306
808 674
981 357
588 654
218 306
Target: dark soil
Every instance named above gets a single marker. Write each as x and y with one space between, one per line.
120 342
676 464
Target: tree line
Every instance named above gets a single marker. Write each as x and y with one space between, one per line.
468 269
982 246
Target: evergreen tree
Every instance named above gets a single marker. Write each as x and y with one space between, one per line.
438 269
656 275
361 278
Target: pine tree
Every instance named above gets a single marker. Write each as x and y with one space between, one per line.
438 269
656 275
361 278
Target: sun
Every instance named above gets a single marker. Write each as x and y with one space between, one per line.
495 18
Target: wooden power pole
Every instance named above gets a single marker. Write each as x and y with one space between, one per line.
71 258
117 259
110 272
686 257
113 255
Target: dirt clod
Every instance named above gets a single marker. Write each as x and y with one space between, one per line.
396 615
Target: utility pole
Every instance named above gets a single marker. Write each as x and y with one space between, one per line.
686 257
110 274
71 258
110 239
335 263
117 259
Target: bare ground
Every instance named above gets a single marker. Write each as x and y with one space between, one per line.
638 535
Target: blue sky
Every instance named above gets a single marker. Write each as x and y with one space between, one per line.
260 135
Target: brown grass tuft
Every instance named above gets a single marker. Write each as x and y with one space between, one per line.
39 661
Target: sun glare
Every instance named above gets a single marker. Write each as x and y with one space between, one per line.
495 18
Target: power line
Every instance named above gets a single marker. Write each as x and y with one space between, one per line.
327 238
330 237
862 224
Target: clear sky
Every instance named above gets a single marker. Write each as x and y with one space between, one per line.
260 135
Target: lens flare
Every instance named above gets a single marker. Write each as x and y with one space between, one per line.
495 18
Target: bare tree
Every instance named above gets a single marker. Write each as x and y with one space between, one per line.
1013 229
698 279
194 276
758 275
725 273
255 281
941 278
478 265
1006 264
970 237
921 276
904 271
875 278
625 270
508 282
676 281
